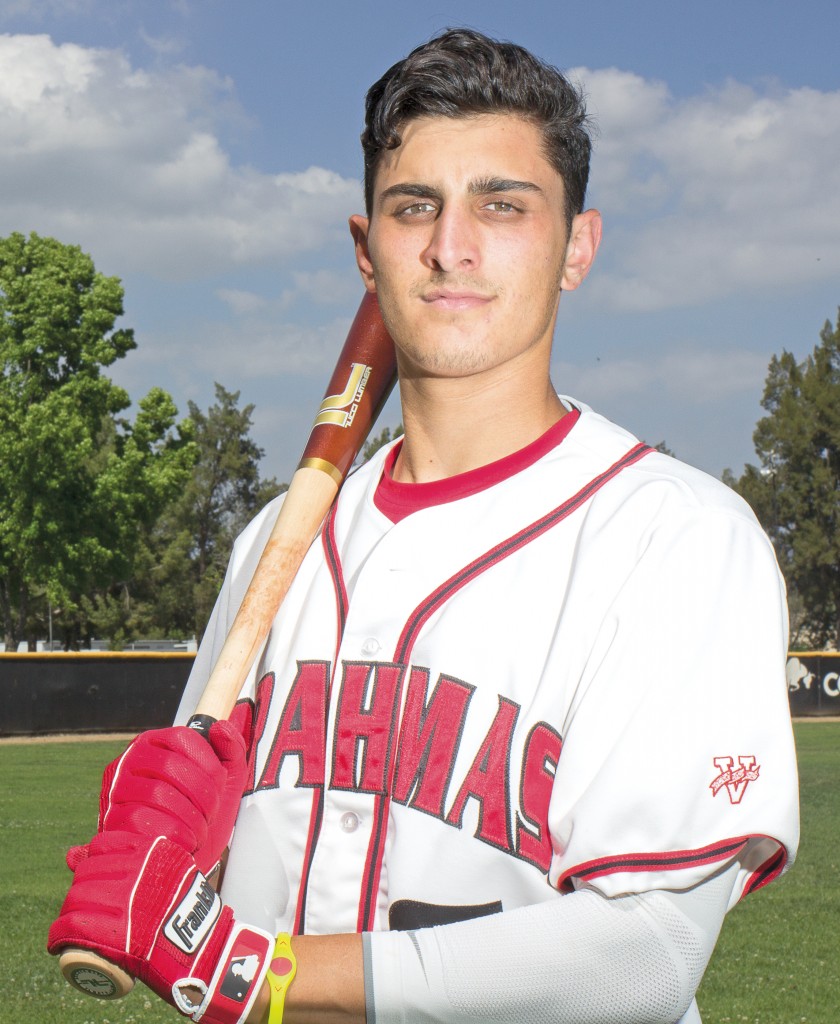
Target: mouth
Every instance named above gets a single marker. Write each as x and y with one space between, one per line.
445 299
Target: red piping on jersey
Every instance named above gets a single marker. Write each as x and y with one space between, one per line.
416 621
674 860
423 611
316 815
769 870
677 860
334 564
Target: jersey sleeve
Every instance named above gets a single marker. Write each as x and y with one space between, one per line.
678 752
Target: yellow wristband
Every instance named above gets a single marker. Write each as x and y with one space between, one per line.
281 973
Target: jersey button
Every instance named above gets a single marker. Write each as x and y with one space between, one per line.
371 646
349 822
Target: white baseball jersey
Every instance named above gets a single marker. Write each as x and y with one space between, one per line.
563 669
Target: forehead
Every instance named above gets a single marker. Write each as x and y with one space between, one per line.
449 151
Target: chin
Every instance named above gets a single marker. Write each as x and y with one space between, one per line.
449 360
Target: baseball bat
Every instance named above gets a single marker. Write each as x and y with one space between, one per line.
360 385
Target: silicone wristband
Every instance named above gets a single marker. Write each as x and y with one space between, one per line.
281 973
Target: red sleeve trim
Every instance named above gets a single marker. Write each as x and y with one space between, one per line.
768 872
676 860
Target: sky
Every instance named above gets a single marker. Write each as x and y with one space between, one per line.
206 153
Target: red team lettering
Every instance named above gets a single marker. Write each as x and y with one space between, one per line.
429 738
542 753
425 744
488 781
301 731
364 726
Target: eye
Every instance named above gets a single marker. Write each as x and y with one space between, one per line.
502 206
417 209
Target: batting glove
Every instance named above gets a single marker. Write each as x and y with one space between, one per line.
176 783
143 904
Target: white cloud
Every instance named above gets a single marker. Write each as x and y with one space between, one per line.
734 191
242 302
328 287
129 164
320 287
163 46
693 376
705 196
258 347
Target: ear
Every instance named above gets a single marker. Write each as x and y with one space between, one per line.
584 239
359 227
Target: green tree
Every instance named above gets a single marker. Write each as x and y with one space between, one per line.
189 547
78 480
795 491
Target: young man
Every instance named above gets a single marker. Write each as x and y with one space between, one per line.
519 737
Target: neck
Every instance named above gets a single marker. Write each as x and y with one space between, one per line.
456 425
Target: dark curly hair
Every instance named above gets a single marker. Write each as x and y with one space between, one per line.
462 72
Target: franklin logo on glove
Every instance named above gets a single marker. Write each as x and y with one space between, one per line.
194 916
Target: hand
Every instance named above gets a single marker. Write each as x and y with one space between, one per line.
143 904
174 782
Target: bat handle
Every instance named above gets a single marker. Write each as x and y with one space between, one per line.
93 975
202 724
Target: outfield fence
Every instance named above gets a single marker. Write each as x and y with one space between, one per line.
105 691
813 679
88 691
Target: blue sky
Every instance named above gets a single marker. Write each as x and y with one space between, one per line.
206 152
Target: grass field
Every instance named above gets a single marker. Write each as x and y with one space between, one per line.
776 961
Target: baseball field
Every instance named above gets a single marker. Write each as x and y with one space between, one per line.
777 961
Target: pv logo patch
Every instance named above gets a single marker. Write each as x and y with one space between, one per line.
734 779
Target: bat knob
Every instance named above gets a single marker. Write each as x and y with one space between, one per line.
91 974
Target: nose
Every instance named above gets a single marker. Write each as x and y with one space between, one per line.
454 244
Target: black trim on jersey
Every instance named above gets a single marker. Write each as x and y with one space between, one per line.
334 563
316 818
406 915
662 861
768 871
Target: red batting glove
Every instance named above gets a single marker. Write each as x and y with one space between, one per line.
174 782
143 904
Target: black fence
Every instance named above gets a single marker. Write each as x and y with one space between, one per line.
813 679
90 692
131 691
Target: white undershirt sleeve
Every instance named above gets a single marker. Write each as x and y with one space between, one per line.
579 959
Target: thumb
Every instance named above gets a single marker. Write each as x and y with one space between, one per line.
228 743
76 854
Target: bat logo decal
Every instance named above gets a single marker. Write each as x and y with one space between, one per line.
341 409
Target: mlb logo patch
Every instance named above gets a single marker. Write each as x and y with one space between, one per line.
239 974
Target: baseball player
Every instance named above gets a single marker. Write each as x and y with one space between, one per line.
519 736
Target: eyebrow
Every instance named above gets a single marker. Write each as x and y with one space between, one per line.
484 186
410 188
477 187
